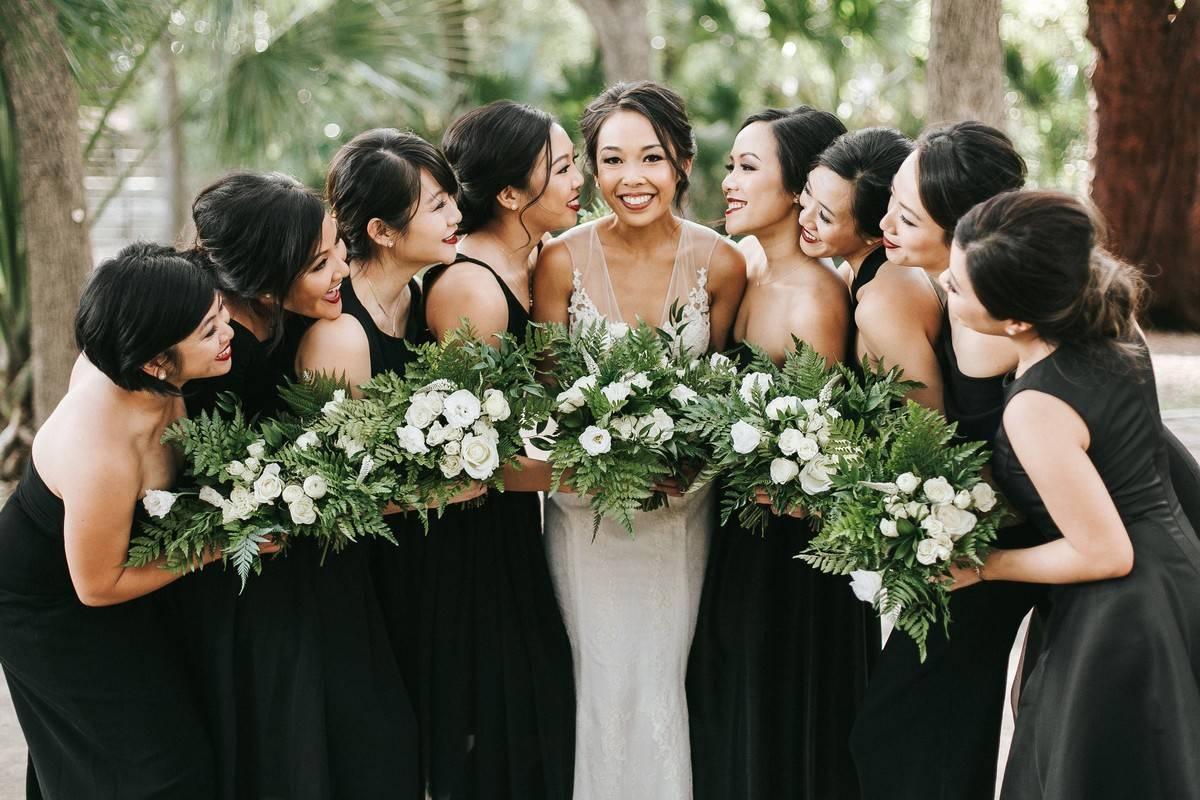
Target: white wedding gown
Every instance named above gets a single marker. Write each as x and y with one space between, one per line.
630 603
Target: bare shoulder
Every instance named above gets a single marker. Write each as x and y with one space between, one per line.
1033 418
88 435
463 283
727 262
343 334
900 295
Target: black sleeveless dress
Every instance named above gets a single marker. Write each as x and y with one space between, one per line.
101 693
1112 707
302 694
932 730
777 669
475 616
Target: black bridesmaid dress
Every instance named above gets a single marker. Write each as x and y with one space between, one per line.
101 693
1112 707
778 667
302 694
474 615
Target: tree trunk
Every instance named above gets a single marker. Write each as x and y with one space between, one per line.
621 33
965 72
1146 151
174 155
45 108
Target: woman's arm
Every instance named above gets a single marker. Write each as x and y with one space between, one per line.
466 291
898 322
726 285
337 348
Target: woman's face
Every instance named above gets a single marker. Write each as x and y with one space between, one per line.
558 206
317 292
635 178
910 235
430 237
755 197
827 225
207 351
961 300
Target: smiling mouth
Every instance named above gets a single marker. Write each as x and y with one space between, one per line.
451 239
226 354
808 237
334 295
636 202
574 205
889 244
734 205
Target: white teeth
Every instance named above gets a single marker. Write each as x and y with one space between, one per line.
734 205
636 199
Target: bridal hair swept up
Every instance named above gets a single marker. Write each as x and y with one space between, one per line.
868 159
801 133
1037 257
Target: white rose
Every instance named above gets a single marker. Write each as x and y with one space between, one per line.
683 394
984 496
939 491
897 510
617 330
292 493
315 487
307 439
257 449
302 511
411 439
420 412
436 434
450 465
454 433
956 522
721 361
755 381
211 496
495 405
158 502
814 478
945 546
932 525
452 448
339 395
784 470
815 423
789 441
461 408
617 393
252 467
641 380
268 486
624 426
888 528
807 449
244 503
745 436
595 441
927 551
917 511
228 512
810 405
236 469
908 482
662 427
570 400
479 456
783 405
866 585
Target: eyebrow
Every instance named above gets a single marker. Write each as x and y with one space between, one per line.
746 154
892 189
654 146
560 158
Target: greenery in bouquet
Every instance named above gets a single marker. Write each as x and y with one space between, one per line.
907 507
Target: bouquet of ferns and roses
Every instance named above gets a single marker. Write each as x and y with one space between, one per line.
247 483
622 396
909 505
788 430
456 415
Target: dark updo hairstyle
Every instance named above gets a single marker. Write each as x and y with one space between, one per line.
868 159
961 165
800 134
377 174
257 233
492 147
662 108
136 307
1036 257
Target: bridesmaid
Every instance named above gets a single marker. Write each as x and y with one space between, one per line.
907 741
304 698
393 195
630 604
780 657
1112 708
507 731
98 688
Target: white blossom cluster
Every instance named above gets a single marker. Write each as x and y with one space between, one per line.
653 428
457 426
934 509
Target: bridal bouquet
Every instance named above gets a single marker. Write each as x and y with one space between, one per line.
623 395
907 507
248 483
455 416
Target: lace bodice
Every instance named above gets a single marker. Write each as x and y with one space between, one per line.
593 298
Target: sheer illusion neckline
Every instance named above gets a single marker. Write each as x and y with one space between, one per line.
672 280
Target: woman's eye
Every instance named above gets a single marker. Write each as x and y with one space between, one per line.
441 204
320 265
654 158
906 221
824 218
611 160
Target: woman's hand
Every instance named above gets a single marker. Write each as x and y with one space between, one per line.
763 499
669 486
469 491
962 577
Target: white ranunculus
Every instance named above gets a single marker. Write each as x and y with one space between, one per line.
939 491
624 426
595 440
617 393
746 437
807 448
908 482
755 381
641 380
292 492
783 405
243 501
984 496
450 465
339 396
411 439
945 546
307 439
269 485
683 394
479 456
423 409
315 487
158 502
784 470
957 522
236 469
436 434
815 477
257 448
452 448
810 405
211 496
228 512
866 584
484 429
962 499
454 433
897 510
495 405
569 400
888 528
303 511
927 551
617 330
461 408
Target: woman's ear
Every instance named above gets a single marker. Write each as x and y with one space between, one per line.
380 233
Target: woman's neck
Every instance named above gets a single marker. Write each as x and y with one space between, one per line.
856 259
250 316
1031 349
504 244
781 246
386 278
644 239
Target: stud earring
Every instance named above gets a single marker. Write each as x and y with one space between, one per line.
391 242
160 374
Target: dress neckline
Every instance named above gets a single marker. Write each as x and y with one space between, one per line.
668 301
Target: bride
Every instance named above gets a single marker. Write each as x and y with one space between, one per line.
630 603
